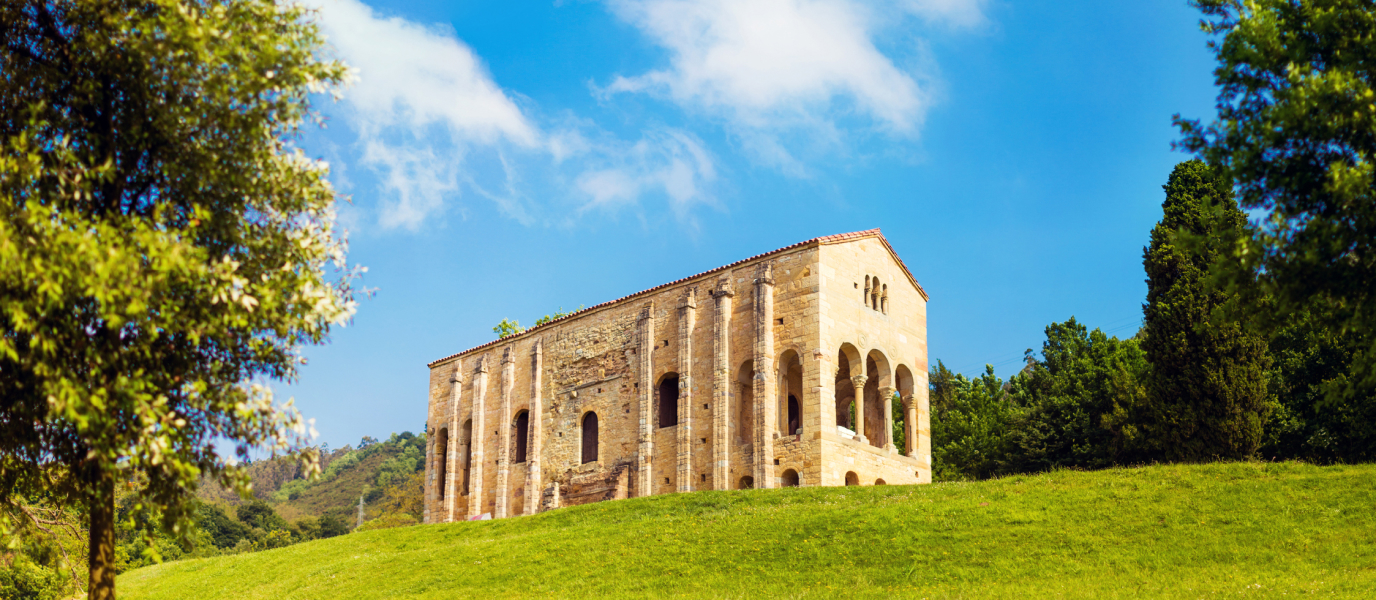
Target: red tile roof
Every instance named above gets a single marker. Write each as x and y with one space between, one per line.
826 239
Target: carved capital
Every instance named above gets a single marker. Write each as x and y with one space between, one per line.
482 364
690 299
766 275
723 288
859 381
886 392
457 375
910 401
507 355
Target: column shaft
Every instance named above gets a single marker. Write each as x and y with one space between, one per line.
687 319
534 480
859 382
721 383
886 401
504 435
766 403
451 464
475 469
645 356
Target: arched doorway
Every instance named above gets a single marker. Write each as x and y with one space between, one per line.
522 426
747 483
441 462
790 478
852 478
668 400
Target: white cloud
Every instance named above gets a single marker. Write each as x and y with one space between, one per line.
672 163
774 66
421 102
433 124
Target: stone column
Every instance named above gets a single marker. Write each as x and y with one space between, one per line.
645 356
766 403
859 382
499 511
431 433
721 382
534 480
910 425
687 320
886 401
475 469
452 465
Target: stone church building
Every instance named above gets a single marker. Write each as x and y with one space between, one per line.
777 370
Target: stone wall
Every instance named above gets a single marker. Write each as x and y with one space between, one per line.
769 327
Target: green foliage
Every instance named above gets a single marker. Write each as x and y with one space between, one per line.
162 245
224 532
1207 391
506 328
1296 112
1081 402
1212 531
1320 414
970 421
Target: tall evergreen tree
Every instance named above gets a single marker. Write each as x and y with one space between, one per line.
1207 390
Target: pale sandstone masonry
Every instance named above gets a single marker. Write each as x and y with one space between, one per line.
645 395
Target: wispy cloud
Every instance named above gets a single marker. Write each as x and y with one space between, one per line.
433 125
771 67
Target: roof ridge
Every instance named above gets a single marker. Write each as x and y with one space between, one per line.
826 239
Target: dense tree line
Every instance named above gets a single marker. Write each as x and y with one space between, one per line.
1198 382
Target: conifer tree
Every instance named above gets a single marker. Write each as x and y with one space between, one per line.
1207 388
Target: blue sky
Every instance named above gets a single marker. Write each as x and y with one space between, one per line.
507 159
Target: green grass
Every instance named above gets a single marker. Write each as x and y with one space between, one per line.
1239 529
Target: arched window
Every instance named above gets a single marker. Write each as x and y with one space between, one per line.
880 482
522 435
590 438
852 478
668 401
467 439
795 416
441 461
747 483
874 294
790 478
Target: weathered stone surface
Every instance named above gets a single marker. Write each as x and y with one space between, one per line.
819 324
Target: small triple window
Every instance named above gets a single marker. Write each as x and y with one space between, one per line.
876 294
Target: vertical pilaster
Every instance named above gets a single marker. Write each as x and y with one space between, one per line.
431 506
687 319
475 469
645 356
504 435
886 401
859 382
766 404
721 382
453 469
534 481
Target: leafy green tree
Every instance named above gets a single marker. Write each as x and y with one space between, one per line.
1206 395
507 327
1296 132
162 245
970 424
1316 418
1082 401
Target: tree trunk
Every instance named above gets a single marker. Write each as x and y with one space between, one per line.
102 552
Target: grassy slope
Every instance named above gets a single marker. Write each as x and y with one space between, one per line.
1175 531
339 495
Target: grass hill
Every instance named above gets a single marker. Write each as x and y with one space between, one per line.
1223 530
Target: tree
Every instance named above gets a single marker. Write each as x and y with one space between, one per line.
1296 132
1207 389
1315 419
970 424
1082 400
163 249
